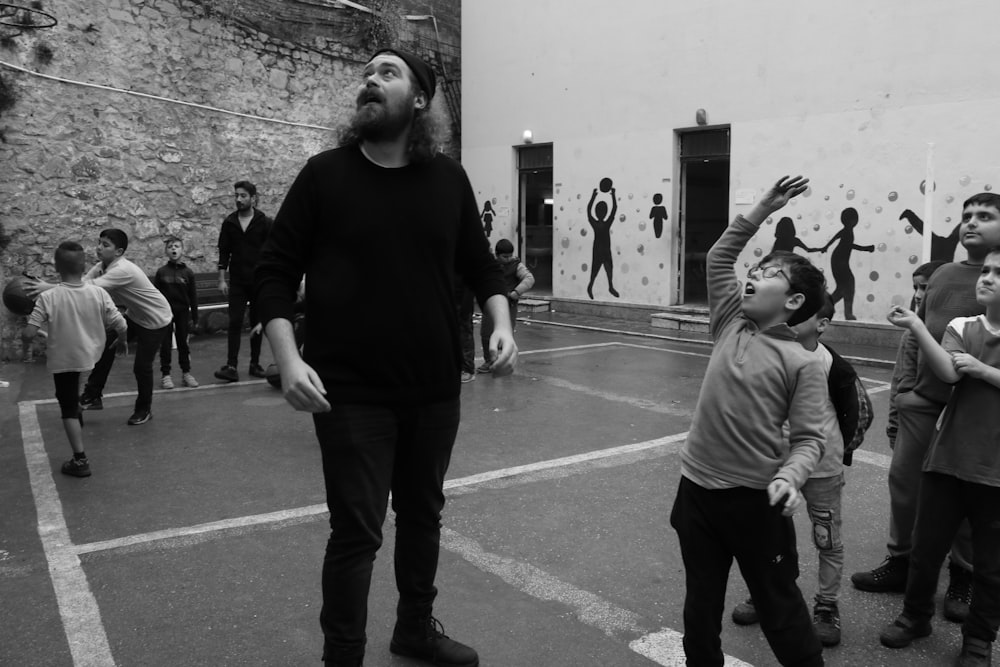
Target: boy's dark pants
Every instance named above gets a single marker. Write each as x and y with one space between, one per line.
147 344
917 419
368 451
945 502
239 296
179 327
714 526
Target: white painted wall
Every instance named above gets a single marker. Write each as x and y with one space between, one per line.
848 93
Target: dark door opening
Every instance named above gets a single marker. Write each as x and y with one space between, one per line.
704 206
534 166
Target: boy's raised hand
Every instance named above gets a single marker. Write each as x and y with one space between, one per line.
786 189
903 318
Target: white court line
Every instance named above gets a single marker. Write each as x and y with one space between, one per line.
663 647
81 618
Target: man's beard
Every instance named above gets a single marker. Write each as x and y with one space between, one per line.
242 206
381 122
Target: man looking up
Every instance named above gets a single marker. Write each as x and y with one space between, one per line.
379 227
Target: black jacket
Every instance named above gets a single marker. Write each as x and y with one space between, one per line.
239 250
851 401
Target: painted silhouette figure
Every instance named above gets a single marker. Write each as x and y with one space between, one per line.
840 260
601 220
787 239
487 217
658 214
942 247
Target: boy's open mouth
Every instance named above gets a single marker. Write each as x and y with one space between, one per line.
749 289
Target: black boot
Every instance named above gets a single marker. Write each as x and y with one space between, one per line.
424 638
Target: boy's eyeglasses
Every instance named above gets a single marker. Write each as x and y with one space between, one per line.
768 272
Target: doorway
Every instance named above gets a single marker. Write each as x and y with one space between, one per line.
704 207
534 171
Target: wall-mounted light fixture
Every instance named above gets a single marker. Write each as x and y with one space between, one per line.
701 117
527 137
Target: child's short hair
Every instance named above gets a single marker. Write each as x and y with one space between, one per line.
803 278
984 199
504 247
827 308
246 185
117 237
69 258
927 269
172 239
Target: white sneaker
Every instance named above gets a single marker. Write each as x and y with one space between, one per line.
189 380
167 382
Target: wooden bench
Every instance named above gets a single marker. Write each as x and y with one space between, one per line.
213 305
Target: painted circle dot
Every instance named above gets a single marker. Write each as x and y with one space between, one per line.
873 275
621 217
987 187
850 195
758 252
893 196
564 243
625 268
645 281
826 198
661 265
965 180
583 232
808 192
878 209
908 229
630 195
913 259
949 199
641 249
870 298
947 218
898 274
882 247
642 226
583 267
816 228
798 217
923 186
494 200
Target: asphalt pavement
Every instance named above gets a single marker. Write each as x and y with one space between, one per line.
199 538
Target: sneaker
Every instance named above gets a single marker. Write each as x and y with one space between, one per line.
468 377
745 613
889 577
903 631
485 368
228 373
167 382
975 653
140 417
257 371
91 402
958 597
826 621
76 468
189 380
427 641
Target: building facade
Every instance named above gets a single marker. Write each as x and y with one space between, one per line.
613 142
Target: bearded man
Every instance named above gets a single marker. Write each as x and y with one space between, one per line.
379 227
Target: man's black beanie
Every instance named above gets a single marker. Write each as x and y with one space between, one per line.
421 70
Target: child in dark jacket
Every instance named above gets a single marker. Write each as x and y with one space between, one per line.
176 281
519 280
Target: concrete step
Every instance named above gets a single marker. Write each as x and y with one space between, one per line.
531 305
681 318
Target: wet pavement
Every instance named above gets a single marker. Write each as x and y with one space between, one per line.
198 539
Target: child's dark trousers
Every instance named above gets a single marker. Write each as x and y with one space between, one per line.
716 526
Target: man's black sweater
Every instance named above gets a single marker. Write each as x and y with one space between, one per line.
379 248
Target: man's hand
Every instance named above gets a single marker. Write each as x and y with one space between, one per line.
302 387
779 491
503 353
904 318
786 189
223 287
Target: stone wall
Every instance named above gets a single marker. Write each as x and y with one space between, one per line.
77 159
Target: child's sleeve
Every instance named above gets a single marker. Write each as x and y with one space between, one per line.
193 295
904 378
806 437
526 278
953 340
724 290
40 313
113 278
113 319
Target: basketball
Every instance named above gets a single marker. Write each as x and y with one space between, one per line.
273 376
16 299
605 184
